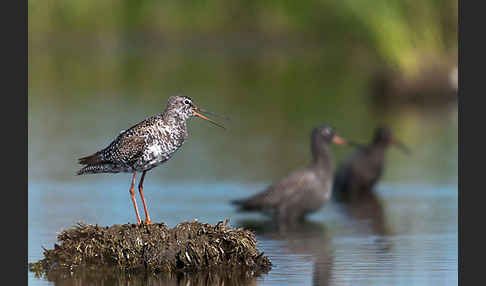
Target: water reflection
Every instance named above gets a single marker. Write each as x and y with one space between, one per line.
108 277
365 207
367 215
308 238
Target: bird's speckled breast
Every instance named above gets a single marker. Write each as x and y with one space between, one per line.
161 143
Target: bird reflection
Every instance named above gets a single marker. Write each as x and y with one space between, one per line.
367 207
308 238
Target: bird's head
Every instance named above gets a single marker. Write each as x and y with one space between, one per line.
383 135
325 134
185 108
321 137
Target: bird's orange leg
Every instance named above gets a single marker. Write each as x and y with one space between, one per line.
132 194
140 189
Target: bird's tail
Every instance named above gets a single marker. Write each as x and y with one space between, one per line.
245 205
95 164
92 169
91 159
237 202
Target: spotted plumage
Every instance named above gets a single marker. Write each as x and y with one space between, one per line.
145 145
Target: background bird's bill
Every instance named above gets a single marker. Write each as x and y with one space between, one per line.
401 146
195 109
339 140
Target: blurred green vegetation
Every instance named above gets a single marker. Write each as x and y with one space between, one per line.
127 36
279 68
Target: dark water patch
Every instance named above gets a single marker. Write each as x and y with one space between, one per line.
105 276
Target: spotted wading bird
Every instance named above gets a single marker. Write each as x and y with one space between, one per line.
146 145
363 168
303 191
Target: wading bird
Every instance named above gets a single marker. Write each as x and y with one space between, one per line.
303 191
146 145
364 167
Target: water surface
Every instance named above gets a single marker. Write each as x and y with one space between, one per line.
404 235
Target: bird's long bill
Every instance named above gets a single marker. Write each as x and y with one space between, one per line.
211 113
204 117
401 146
339 140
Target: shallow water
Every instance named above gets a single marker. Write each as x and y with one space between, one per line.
407 234
278 71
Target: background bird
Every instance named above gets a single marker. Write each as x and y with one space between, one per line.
359 172
303 191
145 145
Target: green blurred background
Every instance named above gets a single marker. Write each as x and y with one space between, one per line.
163 45
278 68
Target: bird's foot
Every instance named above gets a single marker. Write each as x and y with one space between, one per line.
147 221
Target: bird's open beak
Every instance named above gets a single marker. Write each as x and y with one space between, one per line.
339 140
401 146
197 112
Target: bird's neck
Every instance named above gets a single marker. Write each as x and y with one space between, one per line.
321 159
376 152
378 148
379 144
175 122
173 115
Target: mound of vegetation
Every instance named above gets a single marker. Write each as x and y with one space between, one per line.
189 247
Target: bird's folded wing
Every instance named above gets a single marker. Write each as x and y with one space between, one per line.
286 189
130 148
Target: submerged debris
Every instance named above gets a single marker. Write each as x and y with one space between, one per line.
189 247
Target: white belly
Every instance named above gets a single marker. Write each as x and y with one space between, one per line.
154 156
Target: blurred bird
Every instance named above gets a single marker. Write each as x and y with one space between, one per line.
305 190
145 145
364 167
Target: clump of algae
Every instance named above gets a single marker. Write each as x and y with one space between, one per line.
189 247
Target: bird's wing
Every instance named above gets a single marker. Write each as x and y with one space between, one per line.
125 149
129 147
286 189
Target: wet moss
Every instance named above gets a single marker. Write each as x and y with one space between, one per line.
189 247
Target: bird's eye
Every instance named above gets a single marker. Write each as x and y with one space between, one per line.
187 102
